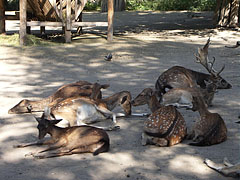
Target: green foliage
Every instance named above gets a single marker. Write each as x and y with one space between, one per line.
11 5
93 5
168 5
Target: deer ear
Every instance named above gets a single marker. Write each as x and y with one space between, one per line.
53 122
38 119
123 100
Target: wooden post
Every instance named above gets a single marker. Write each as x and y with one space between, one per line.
2 17
68 23
110 20
23 22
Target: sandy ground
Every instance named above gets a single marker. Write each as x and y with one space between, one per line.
145 44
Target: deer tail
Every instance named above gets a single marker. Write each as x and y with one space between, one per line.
104 147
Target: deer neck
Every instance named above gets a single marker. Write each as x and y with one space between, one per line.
56 132
202 108
153 103
39 105
112 101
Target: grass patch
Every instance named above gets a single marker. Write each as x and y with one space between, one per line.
13 40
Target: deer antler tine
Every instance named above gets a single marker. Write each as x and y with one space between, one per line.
197 58
221 70
211 63
205 48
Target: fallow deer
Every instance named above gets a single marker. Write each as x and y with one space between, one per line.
80 88
227 169
178 76
165 126
183 97
210 129
82 110
70 140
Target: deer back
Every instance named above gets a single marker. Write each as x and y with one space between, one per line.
80 88
167 123
67 109
174 77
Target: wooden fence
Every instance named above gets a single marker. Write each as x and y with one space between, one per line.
63 18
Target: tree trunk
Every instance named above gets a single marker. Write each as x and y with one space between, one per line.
119 5
2 17
227 12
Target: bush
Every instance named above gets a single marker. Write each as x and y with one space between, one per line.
168 5
11 5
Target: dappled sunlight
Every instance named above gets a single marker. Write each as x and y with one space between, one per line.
144 46
16 130
187 164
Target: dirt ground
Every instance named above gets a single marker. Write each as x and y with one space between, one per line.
145 44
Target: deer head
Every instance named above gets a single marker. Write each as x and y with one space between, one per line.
202 58
23 106
143 97
44 125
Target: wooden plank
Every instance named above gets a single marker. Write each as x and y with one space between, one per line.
2 17
68 20
44 23
110 20
55 7
80 8
68 34
61 10
89 24
23 22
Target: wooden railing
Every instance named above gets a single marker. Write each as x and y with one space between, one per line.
66 19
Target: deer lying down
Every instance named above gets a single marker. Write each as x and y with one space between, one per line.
210 129
70 140
165 126
80 88
178 76
227 169
80 110
183 97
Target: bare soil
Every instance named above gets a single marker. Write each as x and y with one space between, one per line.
145 44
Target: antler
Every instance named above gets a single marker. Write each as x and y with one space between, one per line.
202 58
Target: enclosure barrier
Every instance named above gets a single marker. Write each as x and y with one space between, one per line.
48 12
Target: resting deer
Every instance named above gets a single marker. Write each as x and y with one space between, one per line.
227 169
165 126
80 88
80 110
210 128
70 140
178 76
182 97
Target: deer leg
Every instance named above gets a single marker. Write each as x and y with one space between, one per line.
146 139
106 111
213 165
94 148
226 162
38 143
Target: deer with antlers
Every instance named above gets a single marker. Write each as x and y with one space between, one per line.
165 126
178 76
79 88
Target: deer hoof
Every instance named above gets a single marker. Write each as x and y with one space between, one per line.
38 157
116 128
17 146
